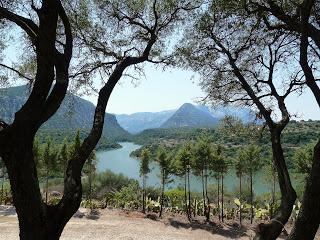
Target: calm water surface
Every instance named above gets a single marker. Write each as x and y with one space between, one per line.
119 161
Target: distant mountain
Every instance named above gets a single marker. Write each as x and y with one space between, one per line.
137 122
189 115
74 113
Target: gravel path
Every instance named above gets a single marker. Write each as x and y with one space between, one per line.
119 225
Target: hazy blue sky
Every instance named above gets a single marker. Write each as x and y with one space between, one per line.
170 89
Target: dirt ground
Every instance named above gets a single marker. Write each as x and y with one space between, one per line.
120 225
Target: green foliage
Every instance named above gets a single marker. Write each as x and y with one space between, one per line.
302 159
175 200
165 164
128 197
144 163
107 182
250 156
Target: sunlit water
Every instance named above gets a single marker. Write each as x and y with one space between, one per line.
119 161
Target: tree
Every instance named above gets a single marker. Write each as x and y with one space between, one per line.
129 34
89 169
300 18
250 156
164 162
220 167
244 68
144 170
64 156
49 158
202 156
184 160
240 165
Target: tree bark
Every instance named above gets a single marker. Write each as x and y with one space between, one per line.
222 213
251 198
207 198
189 194
240 198
219 198
273 229
203 194
162 194
185 197
144 194
308 220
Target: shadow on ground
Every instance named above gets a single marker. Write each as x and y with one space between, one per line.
225 230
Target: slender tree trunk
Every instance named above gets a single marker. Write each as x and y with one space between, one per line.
189 194
90 186
203 194
219 198
240 198
251 198
207 198
273 198
162 193
47 183
222 188
308 220
185 196
144 193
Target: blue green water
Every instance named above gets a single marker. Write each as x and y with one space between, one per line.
119 161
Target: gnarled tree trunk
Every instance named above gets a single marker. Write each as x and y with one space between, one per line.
307 223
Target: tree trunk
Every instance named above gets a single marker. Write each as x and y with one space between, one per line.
273 197
34 219
144 193
185 197
308 220
90 186
222 213
2 187
251 198
189 194
162 194
47 183
219 198
203 194
240 198
272 230
207 198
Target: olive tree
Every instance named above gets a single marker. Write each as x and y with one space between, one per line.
111 37
241 63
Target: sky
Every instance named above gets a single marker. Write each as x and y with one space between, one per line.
165 90
159 90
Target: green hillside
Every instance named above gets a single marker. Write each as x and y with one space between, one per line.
74 113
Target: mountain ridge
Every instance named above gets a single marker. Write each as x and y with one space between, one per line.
74 113
188 115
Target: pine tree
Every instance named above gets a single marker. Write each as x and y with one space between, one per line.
202 159
251 156
64 157
220 167
89 169
50 164
144 170
164 162
184 159
240 166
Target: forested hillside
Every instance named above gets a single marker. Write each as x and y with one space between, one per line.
74 113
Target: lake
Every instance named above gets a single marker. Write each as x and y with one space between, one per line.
119 161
